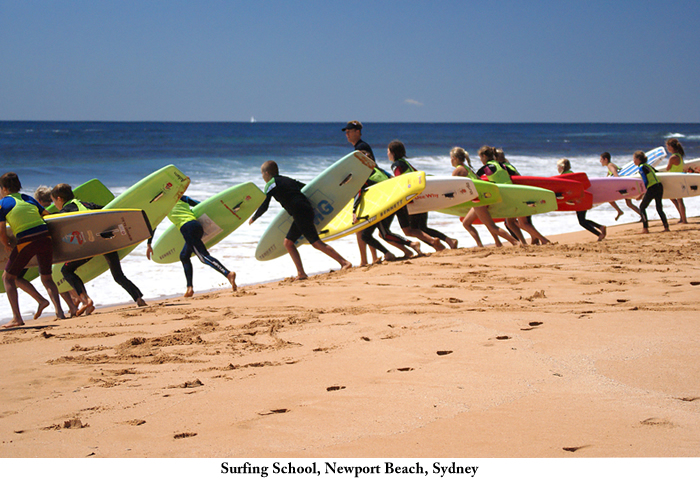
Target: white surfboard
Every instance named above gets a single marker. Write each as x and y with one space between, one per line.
678 185
691 164
328 193
442 192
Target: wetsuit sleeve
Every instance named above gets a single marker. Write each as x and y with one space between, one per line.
398 168
263 207
189 200
485 170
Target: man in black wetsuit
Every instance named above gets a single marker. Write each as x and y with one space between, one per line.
353 132
287 192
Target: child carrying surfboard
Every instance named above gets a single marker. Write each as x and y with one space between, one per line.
655 191
65 201
288 193
182 216
24 215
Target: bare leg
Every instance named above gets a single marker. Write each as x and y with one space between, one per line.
632 206
68 298
294 254
27 287
467 223
50 286
363 249
512 223
13 298
619 211
330 252
680 205
525 224
496 232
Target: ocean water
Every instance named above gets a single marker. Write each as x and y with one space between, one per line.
218 155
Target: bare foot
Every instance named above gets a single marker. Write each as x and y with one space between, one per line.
437 245
389 256
301 277
603 233
189 292
452 242
42 305
345 265
61 315
416 247
644 231
667 229
87 308
13 323
140 302
232 279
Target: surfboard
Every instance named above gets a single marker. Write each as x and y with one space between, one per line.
91 191
219 215
611 189
654 157
378 202
442 192
488 194
155 195
570 194
328 193
678 185
691 164
78 235
522 201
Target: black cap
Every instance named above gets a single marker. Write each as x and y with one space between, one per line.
353 125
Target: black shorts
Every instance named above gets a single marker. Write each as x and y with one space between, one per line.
303 225
415 221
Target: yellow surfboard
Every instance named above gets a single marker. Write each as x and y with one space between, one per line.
378 202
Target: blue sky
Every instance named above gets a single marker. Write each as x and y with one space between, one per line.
422 61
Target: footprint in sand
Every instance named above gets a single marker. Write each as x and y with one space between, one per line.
184 435
444 353
402 369
274 411
573 449
335 388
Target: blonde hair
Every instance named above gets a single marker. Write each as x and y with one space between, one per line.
564 164
461 155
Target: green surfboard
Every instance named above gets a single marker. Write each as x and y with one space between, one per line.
522 201
489 193
219 215
155 195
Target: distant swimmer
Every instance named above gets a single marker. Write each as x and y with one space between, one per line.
287 192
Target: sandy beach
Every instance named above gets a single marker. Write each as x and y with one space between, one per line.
578 349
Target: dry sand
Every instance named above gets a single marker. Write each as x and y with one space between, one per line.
580 349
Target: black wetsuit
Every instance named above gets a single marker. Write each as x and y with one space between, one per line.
287 192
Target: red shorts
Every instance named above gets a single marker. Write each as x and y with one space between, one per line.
39 246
